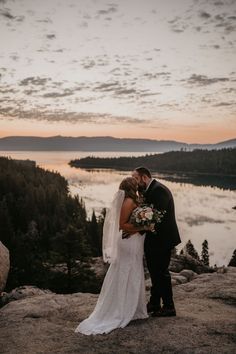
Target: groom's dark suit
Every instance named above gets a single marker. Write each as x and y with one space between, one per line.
158 245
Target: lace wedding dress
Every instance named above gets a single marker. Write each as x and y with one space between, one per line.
122 297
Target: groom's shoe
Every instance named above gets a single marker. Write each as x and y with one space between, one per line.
165 312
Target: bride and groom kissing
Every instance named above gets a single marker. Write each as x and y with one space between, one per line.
122 297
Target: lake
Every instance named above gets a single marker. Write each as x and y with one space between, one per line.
202 211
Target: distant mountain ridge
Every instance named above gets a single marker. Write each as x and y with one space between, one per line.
101 143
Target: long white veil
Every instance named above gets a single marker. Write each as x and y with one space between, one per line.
111 230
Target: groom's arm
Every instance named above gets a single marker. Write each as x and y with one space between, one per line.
161 199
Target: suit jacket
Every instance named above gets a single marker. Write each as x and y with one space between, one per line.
167 233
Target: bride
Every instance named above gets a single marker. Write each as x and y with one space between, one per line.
122 297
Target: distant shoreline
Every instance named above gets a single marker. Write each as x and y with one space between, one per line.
172 172
167 173
214 167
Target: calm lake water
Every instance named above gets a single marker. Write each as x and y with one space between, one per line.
203 212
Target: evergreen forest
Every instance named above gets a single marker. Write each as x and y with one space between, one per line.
50 239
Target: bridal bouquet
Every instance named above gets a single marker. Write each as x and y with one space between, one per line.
145 215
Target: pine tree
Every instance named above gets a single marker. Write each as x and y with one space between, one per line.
70 247
95 236
232 262
6 227
191 250
205 253
26 259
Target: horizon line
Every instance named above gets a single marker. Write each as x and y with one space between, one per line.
113 137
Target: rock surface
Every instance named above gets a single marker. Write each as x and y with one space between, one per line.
185 261
20 293
205 323
4 265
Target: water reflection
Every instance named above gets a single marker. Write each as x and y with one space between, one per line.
203 212
223 182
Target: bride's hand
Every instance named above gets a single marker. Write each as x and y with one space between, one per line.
150 227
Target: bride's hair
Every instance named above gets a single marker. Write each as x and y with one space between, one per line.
130 186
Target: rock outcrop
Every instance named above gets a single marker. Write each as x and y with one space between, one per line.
20 293
4 265
205 323
185 261
178 264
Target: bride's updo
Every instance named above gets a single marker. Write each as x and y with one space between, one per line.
130 186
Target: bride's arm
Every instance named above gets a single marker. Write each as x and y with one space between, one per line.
126 210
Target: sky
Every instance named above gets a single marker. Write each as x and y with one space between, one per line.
158 69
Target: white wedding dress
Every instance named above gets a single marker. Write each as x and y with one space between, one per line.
122 297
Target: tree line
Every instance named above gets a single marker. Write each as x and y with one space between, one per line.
197 161
204 257
42 225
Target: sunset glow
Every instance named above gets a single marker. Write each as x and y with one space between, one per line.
157 69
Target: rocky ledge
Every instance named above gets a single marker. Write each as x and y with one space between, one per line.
44 322
4 265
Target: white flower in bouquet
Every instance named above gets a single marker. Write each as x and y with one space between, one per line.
146 215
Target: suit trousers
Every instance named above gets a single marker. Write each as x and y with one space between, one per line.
158 260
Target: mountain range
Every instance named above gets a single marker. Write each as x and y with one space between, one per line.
101 143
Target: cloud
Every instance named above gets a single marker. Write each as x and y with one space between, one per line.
11 112
117 88
218 3
174 20
8 15
6 110
230 90
83 24
14 56
89 64
60 50
110 86
125 91
32 80
168 105
115 70
165 74
51 36
178 30
224 104
204 15
146 94
30 92
226 22
5 90
44 20
111 9
179 24
66 92
100 60
203 80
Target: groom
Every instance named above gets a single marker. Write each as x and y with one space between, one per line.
158 244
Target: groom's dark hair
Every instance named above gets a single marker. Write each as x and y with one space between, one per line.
143 171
